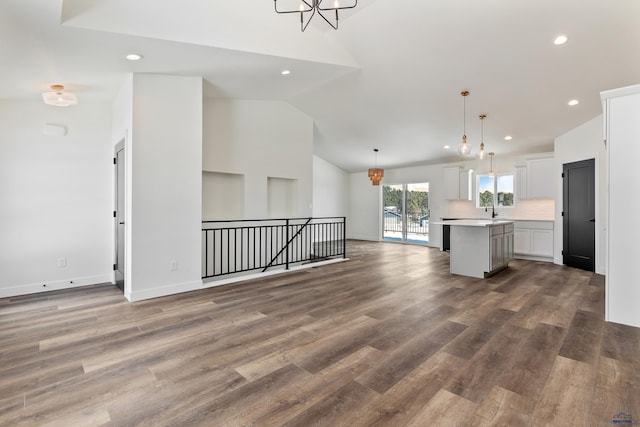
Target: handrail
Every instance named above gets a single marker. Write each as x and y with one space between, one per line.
286 247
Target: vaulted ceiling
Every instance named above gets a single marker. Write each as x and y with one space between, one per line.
389 78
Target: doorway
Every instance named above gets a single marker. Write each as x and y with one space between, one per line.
119 214
578 216
406 212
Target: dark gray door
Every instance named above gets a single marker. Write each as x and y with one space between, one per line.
579 228
119 217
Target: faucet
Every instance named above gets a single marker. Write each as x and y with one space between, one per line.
493 211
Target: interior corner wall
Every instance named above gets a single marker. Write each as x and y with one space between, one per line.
56 197
583 143
260 140
165 185
330 189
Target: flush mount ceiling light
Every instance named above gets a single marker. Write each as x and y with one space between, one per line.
59 98
465 147
481 152
134 57
508 138
285 72
561 39
573 102
376 173
311 7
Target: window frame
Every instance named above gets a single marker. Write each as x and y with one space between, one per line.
495 189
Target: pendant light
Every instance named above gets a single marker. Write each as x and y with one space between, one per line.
465 147
376 173
491 172
481 152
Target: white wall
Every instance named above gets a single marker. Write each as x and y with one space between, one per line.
330 189
55 196
165 185
583 143
260 139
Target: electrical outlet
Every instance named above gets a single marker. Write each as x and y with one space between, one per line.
62 262
173 265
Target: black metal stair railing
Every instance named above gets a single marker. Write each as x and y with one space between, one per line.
240 246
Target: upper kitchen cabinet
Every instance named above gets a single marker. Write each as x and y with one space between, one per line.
622 133
535 179
458 183
540 182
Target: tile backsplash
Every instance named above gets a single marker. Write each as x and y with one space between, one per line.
539 209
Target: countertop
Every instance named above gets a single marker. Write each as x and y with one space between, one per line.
500 218
476 222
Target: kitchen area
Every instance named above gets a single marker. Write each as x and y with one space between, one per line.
516 221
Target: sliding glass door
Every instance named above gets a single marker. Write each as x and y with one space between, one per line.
406 212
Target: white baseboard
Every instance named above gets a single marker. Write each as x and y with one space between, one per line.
55 285
240 278
162 291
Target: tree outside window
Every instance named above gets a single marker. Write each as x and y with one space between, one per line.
496 190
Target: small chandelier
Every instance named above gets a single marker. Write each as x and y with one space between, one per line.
481 152
465 147
376 173
59 98
312 7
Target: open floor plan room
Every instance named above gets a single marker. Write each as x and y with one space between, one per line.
388 337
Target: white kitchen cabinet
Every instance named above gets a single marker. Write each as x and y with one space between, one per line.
458 183
533 240
521 182
542 243
622 133
540 178
522 243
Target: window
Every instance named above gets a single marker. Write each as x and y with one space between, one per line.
495 191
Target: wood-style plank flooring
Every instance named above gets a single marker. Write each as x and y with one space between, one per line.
388 338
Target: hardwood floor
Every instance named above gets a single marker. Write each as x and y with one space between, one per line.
389 338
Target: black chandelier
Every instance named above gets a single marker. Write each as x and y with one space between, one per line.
311 7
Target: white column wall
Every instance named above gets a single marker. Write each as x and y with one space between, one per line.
330 189
260 139
55 197
165 186
583 143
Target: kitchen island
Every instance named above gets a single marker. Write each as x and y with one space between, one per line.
480 248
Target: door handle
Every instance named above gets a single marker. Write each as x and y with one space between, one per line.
122 223
592 220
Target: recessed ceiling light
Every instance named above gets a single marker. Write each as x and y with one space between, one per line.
134 57
446 147
573 102
561 39
285 72
508 138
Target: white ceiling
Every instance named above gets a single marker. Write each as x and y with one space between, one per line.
389 78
